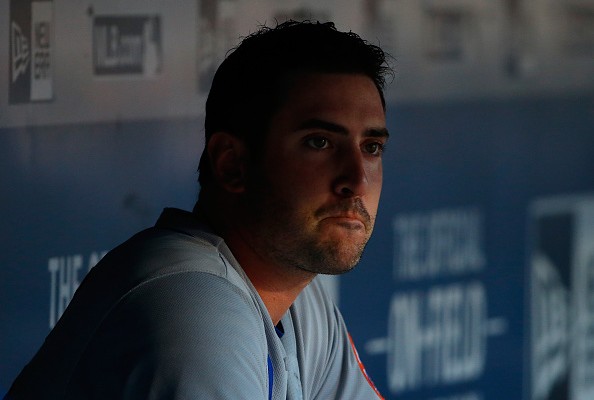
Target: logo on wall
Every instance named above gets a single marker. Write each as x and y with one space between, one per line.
31 25
562 299
127 45
439 324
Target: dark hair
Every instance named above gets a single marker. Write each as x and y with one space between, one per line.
250 84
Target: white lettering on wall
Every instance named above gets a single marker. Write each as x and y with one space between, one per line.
438 322
549 327
117 49
438 243
66 274
437 337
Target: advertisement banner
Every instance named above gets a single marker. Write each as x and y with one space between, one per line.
31 47
562 299
127 45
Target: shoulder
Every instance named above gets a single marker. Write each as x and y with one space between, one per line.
158 252
182 309
158 310
181 332
165 278
185 318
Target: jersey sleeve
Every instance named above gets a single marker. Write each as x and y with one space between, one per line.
190 335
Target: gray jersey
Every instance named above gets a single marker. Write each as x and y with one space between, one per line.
170 314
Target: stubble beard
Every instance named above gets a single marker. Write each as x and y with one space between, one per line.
293 240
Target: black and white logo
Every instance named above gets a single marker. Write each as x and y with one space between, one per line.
562 299
127 45
20 52
30 69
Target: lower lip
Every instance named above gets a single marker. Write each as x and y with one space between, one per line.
349 223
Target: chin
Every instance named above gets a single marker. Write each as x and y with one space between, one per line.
340 263
339 270
345 237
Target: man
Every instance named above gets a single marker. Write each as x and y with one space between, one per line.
222 303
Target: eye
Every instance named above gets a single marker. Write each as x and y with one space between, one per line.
318 142
374 148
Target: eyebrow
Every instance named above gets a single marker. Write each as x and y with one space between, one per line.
316 123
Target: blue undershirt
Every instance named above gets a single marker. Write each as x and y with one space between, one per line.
280 332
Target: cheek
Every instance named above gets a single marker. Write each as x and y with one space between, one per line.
297 177
305 184
282 190
375 181
374 172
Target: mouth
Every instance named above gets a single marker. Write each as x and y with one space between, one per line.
352 215
348 221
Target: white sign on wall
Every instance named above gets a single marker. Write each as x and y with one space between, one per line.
562 299
31 46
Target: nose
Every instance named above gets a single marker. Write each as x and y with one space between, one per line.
351 180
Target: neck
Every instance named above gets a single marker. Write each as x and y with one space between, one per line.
277 285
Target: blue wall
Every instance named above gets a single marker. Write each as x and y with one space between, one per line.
72 192
481 167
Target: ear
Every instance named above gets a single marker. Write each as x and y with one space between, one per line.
228 156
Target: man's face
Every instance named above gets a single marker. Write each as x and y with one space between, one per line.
313 198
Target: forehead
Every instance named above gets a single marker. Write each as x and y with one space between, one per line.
336 97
